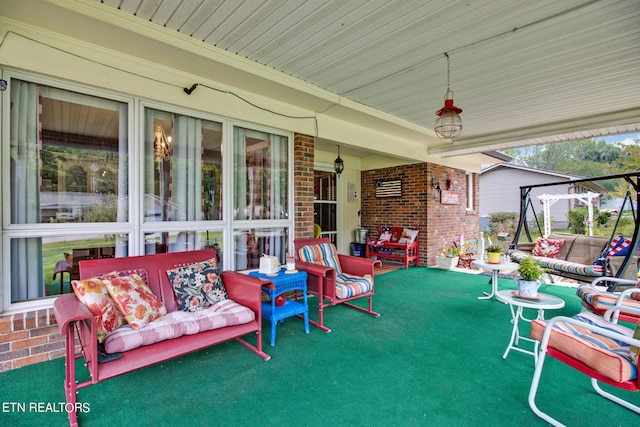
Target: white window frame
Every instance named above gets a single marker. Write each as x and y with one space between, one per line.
134 227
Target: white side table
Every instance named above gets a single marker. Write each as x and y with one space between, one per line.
541 303
495 270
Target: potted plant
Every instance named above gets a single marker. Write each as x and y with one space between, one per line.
530 274
493 254
448 258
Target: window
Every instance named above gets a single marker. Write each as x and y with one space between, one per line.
68 168
183 168
260 179
260 195
74 194
68 156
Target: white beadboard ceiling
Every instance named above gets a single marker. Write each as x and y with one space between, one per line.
524 72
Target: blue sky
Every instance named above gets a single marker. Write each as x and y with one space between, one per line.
625 138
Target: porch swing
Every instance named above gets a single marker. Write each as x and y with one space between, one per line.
568 263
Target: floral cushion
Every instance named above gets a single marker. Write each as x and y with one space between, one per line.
135 300
198 285
549 248
94 294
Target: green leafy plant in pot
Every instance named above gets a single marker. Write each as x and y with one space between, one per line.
493 254
530 275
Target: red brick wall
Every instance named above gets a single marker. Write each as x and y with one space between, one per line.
420 206
303 155
28 338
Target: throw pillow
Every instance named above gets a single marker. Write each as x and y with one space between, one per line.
135 300
408 236
198 285
548 248
93 293
619 246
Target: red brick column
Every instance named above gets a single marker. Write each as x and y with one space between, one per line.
303 155
419 206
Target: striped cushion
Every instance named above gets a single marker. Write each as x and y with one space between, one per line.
561 265
347 285
609 357
322 253
602 301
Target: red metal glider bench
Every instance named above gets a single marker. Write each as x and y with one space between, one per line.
76 321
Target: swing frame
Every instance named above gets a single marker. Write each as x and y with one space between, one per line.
633 181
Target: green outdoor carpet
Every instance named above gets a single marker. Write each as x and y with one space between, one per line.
433 358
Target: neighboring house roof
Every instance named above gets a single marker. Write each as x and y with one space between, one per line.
569 177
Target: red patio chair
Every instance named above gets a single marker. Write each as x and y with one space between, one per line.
599 301
596 346
335 278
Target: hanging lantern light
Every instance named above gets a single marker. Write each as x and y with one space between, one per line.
448 124
338 165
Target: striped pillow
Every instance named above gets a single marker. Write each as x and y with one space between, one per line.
323 254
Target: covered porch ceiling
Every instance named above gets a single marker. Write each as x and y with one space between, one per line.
524 72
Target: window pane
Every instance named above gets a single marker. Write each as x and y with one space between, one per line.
260 175
183 168
250 244
177 241
44 266
68 156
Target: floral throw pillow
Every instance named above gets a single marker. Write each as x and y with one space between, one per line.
93 293
549 248
198 285
135 300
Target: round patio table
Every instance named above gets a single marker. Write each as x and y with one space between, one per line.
540 302
495 270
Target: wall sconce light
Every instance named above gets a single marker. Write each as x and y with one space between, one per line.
338 164
448 124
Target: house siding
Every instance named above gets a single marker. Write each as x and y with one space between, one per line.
500 192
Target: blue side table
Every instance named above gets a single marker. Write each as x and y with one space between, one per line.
282 283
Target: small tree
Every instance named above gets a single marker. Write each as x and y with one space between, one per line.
577 220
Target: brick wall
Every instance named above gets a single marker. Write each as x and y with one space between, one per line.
27 338
303 155
420 206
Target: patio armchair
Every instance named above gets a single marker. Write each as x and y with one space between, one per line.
596 346
335 278
599 301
